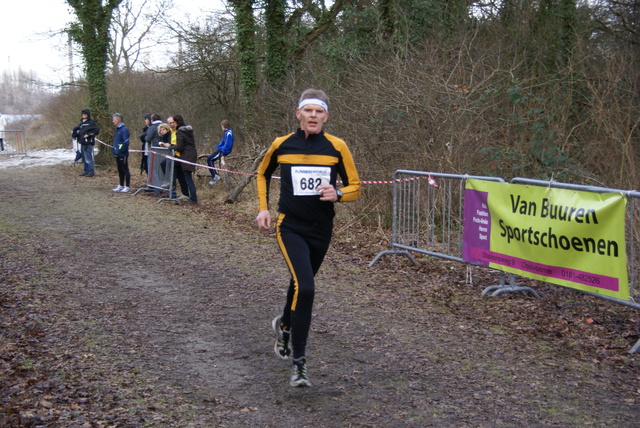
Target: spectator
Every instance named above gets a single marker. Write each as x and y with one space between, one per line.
3 123
186 145
223 148
144 165
121 152
85 134
164 131
176 176
310 161
152 136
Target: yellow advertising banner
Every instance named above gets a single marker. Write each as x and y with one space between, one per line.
566 237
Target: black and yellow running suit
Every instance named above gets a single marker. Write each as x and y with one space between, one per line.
305 223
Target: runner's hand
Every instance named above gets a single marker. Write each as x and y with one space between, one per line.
328 193
263 220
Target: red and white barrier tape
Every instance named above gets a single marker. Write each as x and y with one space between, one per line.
430 179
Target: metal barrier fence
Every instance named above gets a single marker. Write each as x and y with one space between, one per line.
12 143
428 211
160 177
427 214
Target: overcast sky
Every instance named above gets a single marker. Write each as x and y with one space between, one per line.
24 40
27 39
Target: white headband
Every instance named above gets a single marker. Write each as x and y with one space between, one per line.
315 101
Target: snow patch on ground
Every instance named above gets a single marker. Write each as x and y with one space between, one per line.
38 158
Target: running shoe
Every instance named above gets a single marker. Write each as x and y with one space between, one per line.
281 347
117 188
299 376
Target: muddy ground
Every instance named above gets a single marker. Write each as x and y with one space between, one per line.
119 311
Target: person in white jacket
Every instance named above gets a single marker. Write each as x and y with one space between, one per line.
3 123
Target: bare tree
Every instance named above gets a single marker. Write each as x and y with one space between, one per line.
620 18
208 62
135 30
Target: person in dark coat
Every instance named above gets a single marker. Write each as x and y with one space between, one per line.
85 133
144 166
152 138
186 146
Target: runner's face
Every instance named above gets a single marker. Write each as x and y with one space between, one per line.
312 117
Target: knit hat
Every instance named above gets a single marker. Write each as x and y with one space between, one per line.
87 112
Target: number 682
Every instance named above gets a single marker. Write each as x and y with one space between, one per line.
310 183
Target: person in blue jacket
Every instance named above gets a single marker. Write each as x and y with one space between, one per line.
121 152
223 148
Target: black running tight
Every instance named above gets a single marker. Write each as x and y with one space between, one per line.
123 170
303 246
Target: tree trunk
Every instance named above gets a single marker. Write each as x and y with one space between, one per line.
231 198
276 57
91 32
247 51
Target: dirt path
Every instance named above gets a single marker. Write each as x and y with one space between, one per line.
119 311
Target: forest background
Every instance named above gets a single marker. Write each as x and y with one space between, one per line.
546 89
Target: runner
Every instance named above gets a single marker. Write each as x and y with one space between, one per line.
310 161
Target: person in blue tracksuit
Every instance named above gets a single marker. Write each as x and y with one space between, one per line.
223 148
121 152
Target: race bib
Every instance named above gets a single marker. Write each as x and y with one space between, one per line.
306 179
